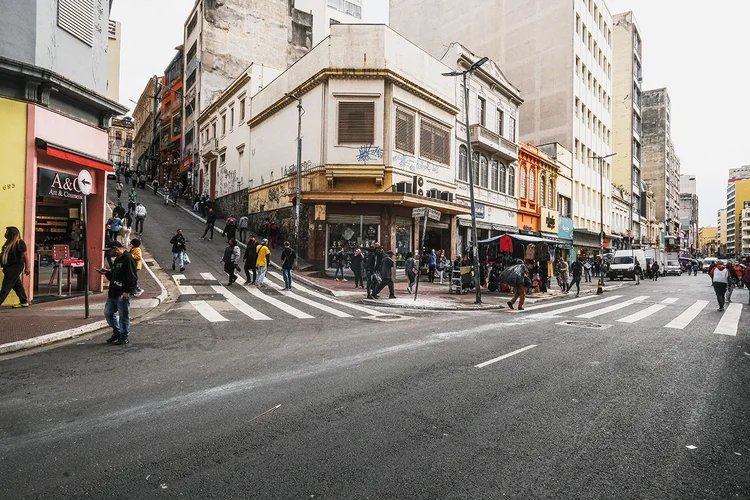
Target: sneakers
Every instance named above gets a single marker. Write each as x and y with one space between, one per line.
510 304
114 338
18 306
122 341
344 279
337 279
182 269
392 297
408 289
138 292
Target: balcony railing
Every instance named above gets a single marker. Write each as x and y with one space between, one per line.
486 139
209 147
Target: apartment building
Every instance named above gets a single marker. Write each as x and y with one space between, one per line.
721 229
172 167
738 192
221 40
326 13
627 123
559 54
562 161
120 143
144 116
744 244
708 241
689 223
114 41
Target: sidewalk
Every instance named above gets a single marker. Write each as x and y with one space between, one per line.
56 320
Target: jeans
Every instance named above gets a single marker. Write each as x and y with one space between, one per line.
721 290
730 289
339 267
12 281
441 273
358 278
431 274
587 274
387 282
210 227
261 275
254 270
412 278
287 273
577 282
243 234
370 282
177 259
139 224
120 324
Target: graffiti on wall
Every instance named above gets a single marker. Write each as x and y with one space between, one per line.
369 153
228 181
416 165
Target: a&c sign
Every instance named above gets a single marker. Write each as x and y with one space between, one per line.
58 185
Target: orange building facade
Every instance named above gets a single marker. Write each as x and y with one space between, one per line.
529 207
171 168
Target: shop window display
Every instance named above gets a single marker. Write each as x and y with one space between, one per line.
350 236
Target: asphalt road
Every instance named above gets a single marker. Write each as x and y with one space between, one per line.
387 407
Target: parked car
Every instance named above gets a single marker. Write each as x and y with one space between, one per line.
673 268
623 264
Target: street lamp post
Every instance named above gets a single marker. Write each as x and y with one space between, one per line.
601 218
298 196
474 247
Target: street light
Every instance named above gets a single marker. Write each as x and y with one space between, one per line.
297 199
601 218
474 248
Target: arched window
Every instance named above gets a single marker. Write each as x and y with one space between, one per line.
522 184
493 175
502 187
542 190
475 167
463 167
532 187
512 181
551 197
483 171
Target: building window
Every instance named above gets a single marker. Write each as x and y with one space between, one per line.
404 131
222 158
231 118
502 181
475 167
118 135
500 121
77 18
213 130
483 171
242 110
482 111
463 171
550 195
356 123
542 190
512 129
434 142
493 175
512 181
223 125
192 24
532 187
522 184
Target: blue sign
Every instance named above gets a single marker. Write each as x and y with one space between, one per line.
565 228
479 210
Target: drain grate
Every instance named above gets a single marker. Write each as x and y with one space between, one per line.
585 324
387 318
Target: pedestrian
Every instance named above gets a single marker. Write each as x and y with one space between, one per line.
732 281
288 257
14 259
356 267
118 188
339 258
178 247
273 232
597 268
202 204
431 266
135 252
386 273
119 211
250 258
113 227
648 270
231 259
442 263
720 277
134 180
637 271
519 288
372 264
562 269
140 217
746 277
263 256
576 270
242 227
230 228
132 196
123 281
155 185
210 221
411 268
655 271
176 193
587 270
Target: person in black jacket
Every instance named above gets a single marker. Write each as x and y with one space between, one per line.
178 247
372 262
123 280
210 221
356 266
251 255
386 272
288 256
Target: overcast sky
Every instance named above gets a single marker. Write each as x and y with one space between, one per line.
699 54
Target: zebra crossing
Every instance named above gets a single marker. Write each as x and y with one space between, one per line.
620 310
216 303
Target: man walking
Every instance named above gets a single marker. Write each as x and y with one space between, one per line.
132 196
587 271
637 271
231 259
655 271
210 221
262 262
118 188
339 259
431 266
113 226
178 246
140 217
721 279
576 269
242 227
288 256
250 258
386 273
372 262
123 281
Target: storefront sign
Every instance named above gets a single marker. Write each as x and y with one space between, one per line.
479 210
565 228
549 220
58 185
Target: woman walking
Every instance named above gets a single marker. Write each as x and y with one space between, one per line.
15 261
410 266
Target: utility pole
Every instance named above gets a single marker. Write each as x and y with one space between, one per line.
474 244
298 196
601 218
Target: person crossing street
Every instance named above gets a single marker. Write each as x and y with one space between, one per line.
250 258
720 276
178 247
576 270
231 259
288 256
210 221
263 257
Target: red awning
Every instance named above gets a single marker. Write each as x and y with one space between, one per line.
74 156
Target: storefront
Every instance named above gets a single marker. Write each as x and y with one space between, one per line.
565 235
485 231
350 232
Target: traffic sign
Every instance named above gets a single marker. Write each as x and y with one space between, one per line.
418 212
84 182
433 214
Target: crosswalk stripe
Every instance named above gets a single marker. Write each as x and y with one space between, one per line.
553 304
207 276
684 319
241 306
207 311
311 303
621 305
645 313
729 320
366 310
184 289
277 303
670 300
580 306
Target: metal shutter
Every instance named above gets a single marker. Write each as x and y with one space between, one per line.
434 142
352 219
405 131
77 18
356 123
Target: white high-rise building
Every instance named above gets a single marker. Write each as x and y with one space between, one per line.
329 12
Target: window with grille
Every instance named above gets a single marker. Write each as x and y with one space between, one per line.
404 131
512 181
542 190
493 175
434 142
242 109
512 129
532 187
77 18
550 197
463 167
502 187
483 171
356 123
475 167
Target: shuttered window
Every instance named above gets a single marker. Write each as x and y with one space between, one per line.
434 142
356 123
404 131
77 18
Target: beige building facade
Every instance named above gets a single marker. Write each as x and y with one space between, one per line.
144 148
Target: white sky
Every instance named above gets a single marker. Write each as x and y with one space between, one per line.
699 54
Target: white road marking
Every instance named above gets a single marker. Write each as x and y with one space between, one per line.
621 305
645 313
500 358
241 306
184 290
366 310
730 320
207 311
208 276
580 306
670 300
557 303
277 303
684 319
311 303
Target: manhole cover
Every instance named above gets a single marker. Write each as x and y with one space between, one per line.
585 324
386 318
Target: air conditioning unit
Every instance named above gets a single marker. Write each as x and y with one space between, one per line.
420 192
417 183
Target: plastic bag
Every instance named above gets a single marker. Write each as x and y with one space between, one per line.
512 276
185 258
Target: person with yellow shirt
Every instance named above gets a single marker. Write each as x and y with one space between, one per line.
262 262
135 252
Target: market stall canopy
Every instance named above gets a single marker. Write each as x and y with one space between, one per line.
74 156
522 237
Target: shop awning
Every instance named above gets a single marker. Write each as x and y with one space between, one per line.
488 225
74 156
521 237
384 197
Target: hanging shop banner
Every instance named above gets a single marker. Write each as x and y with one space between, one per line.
55 184
549 221
564 228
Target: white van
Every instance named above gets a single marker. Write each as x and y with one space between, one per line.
623 264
